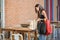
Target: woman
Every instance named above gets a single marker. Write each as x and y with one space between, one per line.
41 16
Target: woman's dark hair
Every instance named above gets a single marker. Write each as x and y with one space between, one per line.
40 7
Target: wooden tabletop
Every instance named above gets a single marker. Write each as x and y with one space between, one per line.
16 29
54 21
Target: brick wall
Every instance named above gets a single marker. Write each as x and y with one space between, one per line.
20 11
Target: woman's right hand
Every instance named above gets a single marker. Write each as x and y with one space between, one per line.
38 19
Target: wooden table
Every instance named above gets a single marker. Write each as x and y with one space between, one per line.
18 29
56 23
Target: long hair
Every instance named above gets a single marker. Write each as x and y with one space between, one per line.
40 9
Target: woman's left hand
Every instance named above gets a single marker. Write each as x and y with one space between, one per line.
45 19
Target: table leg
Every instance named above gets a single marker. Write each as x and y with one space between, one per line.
0 30
12 35
35 36
28 35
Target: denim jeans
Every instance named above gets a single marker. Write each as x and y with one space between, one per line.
42 37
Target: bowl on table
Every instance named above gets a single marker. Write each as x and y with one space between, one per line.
24 25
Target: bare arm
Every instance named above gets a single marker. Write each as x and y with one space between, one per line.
38 19
45 15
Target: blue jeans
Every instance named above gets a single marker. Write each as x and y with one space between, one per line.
42 37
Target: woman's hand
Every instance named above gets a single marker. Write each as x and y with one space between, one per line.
38 19
45 19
